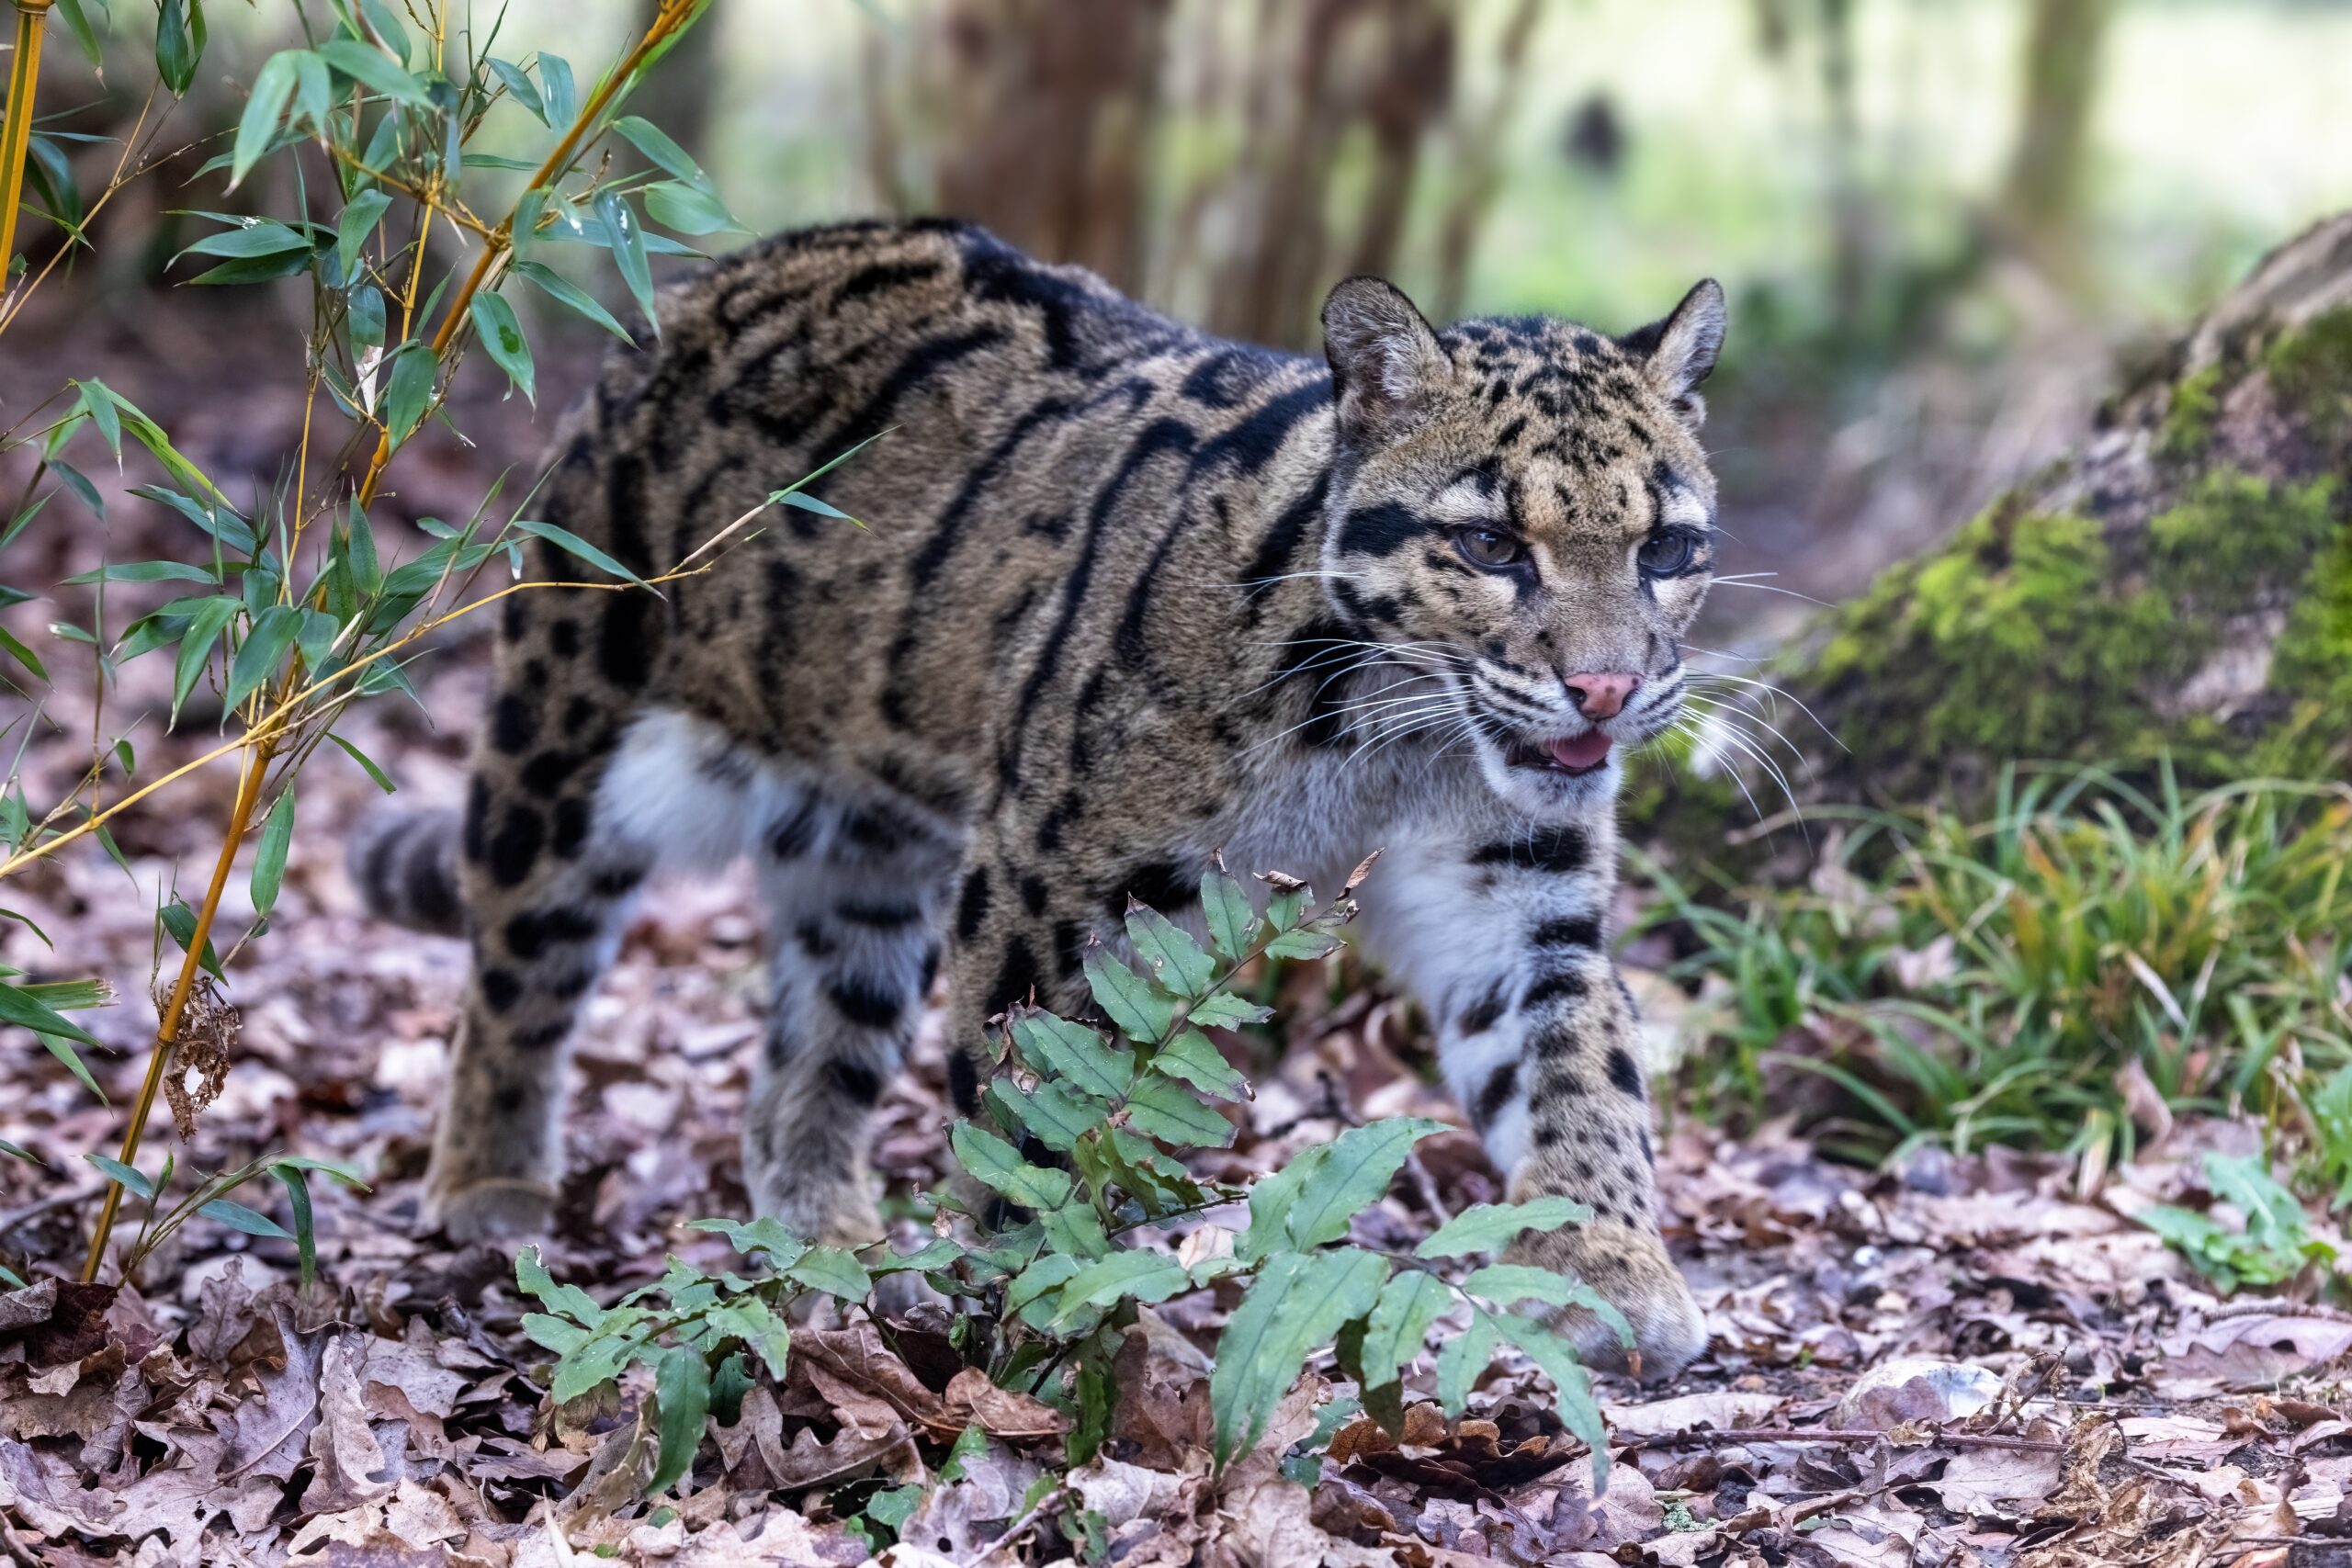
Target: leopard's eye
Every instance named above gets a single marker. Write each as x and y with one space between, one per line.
1665 553
1488 547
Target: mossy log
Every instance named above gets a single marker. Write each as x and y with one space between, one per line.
2180 586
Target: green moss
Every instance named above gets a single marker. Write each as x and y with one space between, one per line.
2311 665
2310 369
2190 417
2232 536
2015 641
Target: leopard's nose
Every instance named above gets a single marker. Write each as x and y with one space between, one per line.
1601 694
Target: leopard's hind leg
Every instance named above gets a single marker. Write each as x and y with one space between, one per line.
546 873
856 897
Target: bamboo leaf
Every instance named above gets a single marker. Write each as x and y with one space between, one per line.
521 88
373 70
94 399
689 209
115 1170
367 764
251 238
204 628
573 544
411 390
501 336
571 296
179 42
262 653
22 655
359 219
655 143
179 921
561 98
21 1007
626 242
298 1203
237 1217
273 90
144 571
269 856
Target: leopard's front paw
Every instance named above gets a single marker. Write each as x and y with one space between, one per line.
493 1209
1631 1271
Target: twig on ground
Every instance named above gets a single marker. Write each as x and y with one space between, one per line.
1052 1503
1735 1436
50 1204
1426 1186
2277 1309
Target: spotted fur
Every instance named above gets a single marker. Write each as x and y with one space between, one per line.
1127 596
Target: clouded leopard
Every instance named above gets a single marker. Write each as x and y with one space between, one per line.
1128 595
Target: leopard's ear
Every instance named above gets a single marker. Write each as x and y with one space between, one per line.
1678 351
1384 359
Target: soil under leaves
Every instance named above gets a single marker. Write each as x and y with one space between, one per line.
1956 1360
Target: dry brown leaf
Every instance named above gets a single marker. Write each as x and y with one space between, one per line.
268 1436
851 1454
956 1518
2254 1351
1995 1483
1162 1409
871 1389
972 1400
1721 1410
349 1464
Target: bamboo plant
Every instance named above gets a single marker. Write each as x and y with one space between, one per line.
293 611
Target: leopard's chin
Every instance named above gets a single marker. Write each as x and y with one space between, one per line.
1527 778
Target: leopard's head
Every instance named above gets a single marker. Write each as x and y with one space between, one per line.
1521 515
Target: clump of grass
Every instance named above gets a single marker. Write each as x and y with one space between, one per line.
2016 978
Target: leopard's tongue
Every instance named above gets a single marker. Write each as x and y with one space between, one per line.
1587 750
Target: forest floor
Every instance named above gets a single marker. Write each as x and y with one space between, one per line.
1956 1360
1951 1361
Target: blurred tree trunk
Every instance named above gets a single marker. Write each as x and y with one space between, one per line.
2039 205
1475 167
1850 204
1382 67
1051 121
1047 127
2181 584
678 97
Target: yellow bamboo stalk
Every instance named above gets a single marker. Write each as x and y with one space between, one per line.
673 15
167 1031
23 74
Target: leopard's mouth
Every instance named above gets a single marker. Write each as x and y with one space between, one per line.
1575 756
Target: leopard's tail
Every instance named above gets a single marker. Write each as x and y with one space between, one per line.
404 865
